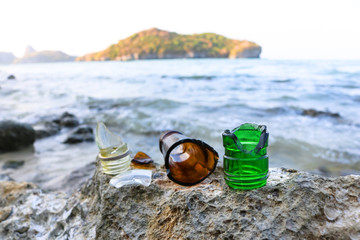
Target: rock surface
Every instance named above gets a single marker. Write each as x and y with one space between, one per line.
68 120
46 129
293 205
317 113
11 77
13 164
14 136
53 126
80 134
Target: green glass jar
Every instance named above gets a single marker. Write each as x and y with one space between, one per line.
246 163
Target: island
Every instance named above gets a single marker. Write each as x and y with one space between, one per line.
32 56
155 43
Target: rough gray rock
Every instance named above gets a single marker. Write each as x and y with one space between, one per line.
11 77
13 164
49 127
316 113
75 179
293 205
68 120
81 134
46 129
5 177
14 136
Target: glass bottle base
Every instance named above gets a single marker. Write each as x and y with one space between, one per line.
245 182
115 167
245 186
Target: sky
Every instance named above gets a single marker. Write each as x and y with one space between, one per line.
296 29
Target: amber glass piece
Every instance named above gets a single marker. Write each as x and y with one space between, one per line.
188 161
142 158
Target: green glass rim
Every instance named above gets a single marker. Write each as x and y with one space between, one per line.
263 139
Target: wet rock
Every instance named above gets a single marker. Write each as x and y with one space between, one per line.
316 113
81 134
33 214
5 177
13 164
46 129
293 205
5 213
14 136
76 179
11 77
53 126
68 120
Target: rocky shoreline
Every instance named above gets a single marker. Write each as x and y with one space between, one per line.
293 205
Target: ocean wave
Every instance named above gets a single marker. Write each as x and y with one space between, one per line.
104 104
304 156
284 98
201 98
283 80
192 77
209 77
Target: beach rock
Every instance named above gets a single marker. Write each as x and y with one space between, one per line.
11 77
27 212
13 164
46 129
76 179
293 205
52 126
81 134
317 113
68 120
5 177
5 213
14 136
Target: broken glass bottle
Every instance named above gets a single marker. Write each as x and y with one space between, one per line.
114 153
188 161
246 163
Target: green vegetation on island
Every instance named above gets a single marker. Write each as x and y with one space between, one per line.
158 44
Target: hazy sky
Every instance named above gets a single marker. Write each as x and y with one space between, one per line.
286 29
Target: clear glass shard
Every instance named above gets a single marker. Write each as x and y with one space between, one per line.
110 145
132 177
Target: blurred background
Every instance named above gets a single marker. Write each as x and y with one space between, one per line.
201 67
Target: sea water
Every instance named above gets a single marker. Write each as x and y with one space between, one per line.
199 97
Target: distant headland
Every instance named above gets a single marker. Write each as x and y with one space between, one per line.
32 56
159 44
